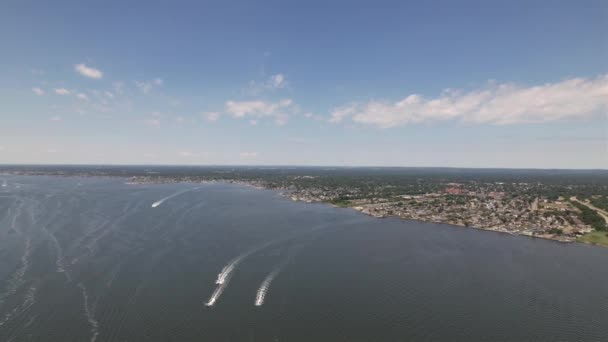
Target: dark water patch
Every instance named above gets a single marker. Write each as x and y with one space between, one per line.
147 272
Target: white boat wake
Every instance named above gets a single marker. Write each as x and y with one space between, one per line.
216 294
160 201
59 262
17 278
14 226
223 278
30 299
265 286
89 313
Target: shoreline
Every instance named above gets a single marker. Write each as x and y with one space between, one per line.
577 240
457 225
285 193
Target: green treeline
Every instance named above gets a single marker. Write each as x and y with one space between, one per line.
600 202
590 217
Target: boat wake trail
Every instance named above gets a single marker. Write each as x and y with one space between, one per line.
14 226
89 313
265 286
216 294
223 278
59 262
30 299
16 280
160 201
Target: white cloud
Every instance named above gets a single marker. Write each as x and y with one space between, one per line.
88 71
82 96
248 154
62 91
180 120
277 81
211 116
38 91
316 117
341 113
498 104
109 94
145 87
274 82
260 109
55 118
253 122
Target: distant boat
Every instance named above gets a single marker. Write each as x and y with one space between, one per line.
4 184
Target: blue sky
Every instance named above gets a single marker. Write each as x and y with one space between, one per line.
425 83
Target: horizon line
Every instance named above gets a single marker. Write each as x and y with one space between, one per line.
299 166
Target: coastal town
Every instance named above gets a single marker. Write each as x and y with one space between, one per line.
562 207
533 209
557 219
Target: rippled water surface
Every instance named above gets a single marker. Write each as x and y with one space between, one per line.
94 259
